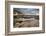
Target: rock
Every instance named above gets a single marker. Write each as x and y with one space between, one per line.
28 23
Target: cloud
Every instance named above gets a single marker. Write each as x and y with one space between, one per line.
27 11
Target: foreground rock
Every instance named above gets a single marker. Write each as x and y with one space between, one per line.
28 23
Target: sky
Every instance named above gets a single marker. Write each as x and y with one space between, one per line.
27 11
